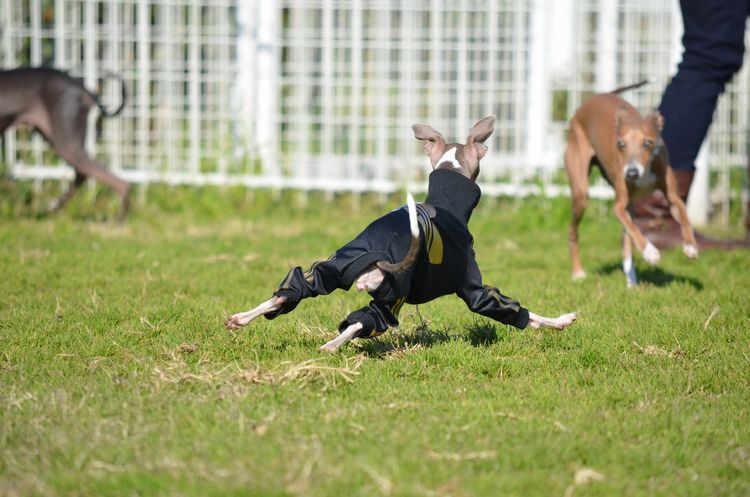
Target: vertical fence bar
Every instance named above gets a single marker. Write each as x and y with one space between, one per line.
114 64
8 24
538 88
35 7
462 86
355 116
9 61
194 88
490 171
143 84
407 94
606 55
268 87
170 88
90 67
436 66
60 37
245 81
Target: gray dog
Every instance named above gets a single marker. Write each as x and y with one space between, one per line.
57 106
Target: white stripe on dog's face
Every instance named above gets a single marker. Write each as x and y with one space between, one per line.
449 156
634 164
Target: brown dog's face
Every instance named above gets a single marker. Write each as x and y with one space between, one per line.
638 142
463 159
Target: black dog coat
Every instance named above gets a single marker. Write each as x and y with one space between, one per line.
446 263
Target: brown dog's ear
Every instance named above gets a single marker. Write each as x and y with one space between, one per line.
480 133
620 115
436 146
657 119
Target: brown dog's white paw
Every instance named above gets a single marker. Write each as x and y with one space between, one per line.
690 250
579 275
651 254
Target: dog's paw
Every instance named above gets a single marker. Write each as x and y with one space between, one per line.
579 275
54 206
233 322
690 250
651 254
565 320
328 348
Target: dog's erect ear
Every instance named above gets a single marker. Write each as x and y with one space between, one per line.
436 143
657 119
620 115
480 133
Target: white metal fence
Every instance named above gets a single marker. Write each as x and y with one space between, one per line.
320 94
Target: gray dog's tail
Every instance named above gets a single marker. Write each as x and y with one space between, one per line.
103 111
123 96
630 87
411 254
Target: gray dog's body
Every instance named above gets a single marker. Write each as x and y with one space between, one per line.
57 105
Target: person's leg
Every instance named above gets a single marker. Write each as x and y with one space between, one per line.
714 48
713 43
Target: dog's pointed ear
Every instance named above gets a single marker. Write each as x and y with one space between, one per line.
480 133
435 145
657 119
620 115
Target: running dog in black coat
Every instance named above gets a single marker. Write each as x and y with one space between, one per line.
432 242
57 106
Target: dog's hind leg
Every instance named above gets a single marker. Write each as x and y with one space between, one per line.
67 135
59 203
578 155
87 167
236 321
344 337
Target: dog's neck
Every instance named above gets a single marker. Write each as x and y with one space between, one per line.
453 192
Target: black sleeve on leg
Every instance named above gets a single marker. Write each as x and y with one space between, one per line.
375 318
488 301
322 278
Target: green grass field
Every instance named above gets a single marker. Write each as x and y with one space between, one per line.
117 377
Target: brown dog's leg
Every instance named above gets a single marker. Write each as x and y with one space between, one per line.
679 213
628 266
577 166
650 253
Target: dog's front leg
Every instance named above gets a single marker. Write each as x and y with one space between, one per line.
650 253
679 213
236 321
628 267
344 337
558 323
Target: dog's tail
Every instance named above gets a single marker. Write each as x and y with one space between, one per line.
411 254
621 89
123 96
103 111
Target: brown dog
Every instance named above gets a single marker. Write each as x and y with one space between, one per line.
628 148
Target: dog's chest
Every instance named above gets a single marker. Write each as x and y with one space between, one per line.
443 261
643 186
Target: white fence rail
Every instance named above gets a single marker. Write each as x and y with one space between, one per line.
320 94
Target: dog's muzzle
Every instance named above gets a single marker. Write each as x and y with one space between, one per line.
633 170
